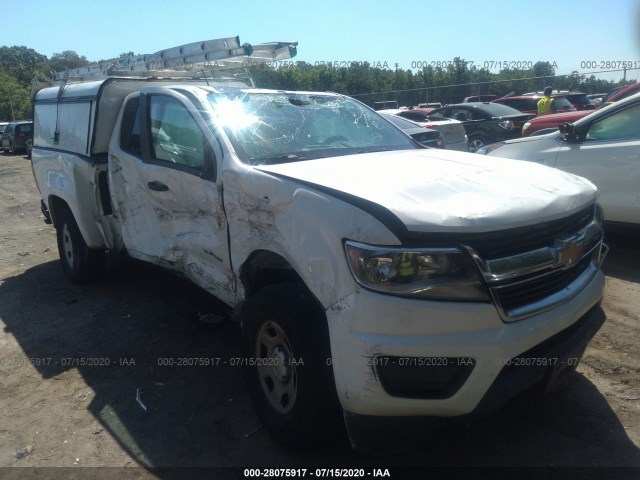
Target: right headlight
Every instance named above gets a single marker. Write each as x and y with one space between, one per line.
433 273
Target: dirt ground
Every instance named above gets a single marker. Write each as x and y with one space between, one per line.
72 360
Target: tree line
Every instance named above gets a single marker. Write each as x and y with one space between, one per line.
368 83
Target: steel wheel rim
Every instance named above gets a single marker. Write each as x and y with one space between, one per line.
276 369
67 245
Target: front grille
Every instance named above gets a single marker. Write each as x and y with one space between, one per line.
512 297
493 245
504 243
534 269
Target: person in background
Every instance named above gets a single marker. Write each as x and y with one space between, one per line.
546 105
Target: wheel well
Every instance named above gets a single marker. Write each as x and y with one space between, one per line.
55 205
264 268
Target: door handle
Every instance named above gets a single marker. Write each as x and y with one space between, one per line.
157 186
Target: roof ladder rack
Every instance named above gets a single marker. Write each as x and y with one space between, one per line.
184 60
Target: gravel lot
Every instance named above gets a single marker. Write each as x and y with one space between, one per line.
72 360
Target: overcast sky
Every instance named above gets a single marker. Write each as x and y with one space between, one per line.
585 35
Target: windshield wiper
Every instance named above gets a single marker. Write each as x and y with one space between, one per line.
284 158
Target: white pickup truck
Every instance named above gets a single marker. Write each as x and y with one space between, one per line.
372 276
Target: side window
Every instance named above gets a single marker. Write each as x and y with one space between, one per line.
130 129
26 128
416 117
446 113
175 135
459 114
620 125
476 115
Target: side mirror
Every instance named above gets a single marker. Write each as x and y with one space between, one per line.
573 134
568 131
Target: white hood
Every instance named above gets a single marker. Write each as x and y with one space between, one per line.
444 191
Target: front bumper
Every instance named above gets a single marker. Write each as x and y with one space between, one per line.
368 326
521 373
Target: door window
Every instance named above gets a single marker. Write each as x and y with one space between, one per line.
620 125
175 135
130 128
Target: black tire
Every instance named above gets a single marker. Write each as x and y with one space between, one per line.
475 143
296 398
80 263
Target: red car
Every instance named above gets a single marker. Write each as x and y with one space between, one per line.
529 103
579 100
620 93
549 123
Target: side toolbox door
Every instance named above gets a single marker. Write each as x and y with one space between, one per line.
163 164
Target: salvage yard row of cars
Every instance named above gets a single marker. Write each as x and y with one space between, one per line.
486 119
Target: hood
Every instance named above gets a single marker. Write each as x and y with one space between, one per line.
531 139
444 191
563 117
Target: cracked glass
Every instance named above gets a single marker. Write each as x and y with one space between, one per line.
279 127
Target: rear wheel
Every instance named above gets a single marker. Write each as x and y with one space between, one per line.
288 370
80 263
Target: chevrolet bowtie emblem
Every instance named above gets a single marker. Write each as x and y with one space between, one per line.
569 251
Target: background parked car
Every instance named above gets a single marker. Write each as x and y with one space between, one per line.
578 99
455 136
550 123
620 93
484 122
385 105
430 105
424 136
603 147
529 103
479 98
15 136
596 98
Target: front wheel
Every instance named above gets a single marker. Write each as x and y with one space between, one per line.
288 371
80 263
475 143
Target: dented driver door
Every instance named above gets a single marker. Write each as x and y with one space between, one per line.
163 177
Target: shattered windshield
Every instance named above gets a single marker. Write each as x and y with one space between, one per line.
278 127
